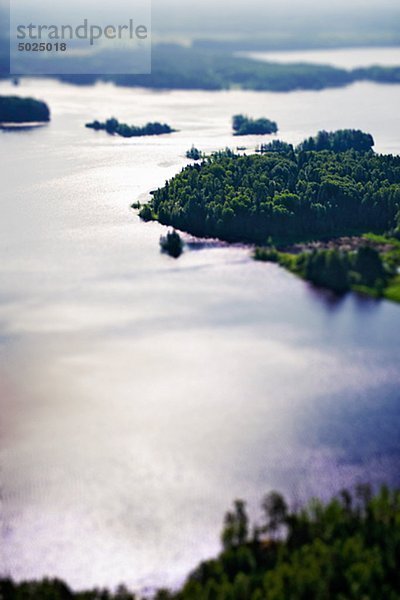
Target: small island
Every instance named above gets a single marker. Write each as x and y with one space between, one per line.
171 244
194 153
14 109
284 196
243 125
114 127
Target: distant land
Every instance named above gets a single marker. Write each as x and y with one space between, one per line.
195 68
179 67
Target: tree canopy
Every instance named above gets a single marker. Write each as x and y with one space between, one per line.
347 548
339 141
283 193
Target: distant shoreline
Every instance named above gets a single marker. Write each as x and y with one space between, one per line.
178 67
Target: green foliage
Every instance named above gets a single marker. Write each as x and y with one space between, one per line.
337 270
236 526
339 141
392 291
275 510
279 147
243 125
345 549
172 244
267 254
14 109
146 213
194 153
283 195
369 268
113 126
327 268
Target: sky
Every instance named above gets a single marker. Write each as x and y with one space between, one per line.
228 18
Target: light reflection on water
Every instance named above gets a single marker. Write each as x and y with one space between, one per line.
338 57
140 395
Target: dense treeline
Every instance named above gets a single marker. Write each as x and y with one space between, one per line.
346 549
14 109
342 270
283 195
243 125
278 146
113 126
339 141
335 269
372 267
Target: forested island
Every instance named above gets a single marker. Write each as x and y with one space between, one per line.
243 125
114 127
171 244
329 186
194 153
347 548
14 109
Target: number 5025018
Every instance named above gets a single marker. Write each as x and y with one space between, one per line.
42 47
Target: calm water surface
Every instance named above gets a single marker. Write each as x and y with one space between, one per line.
140 395
342 57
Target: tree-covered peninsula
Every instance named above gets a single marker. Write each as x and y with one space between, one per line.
14 109
345 549
331 185
243 125
286 194
114 127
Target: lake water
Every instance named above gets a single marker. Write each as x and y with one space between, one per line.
140 395
339 57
